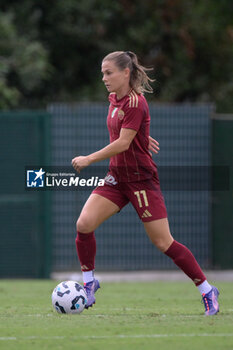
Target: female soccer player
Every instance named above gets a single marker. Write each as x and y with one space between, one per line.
132 177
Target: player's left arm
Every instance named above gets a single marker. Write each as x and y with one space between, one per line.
118 146
153 145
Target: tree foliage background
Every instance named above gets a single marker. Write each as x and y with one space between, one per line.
52 50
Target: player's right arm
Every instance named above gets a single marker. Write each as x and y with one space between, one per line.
118 146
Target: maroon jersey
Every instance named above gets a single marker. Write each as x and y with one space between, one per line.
130 112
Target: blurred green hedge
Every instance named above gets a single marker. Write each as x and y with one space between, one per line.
52 50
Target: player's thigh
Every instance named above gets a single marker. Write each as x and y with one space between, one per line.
96 210
147 199
159 233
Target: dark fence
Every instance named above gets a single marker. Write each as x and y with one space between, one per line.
25 216
184 135
222 201
38 226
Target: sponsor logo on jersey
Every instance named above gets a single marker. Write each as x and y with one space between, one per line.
110 180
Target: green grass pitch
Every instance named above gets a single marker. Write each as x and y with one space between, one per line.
158 315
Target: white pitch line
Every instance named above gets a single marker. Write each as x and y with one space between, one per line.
120 336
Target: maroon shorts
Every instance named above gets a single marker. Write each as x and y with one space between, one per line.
145 196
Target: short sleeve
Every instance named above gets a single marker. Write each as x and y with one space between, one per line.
133 117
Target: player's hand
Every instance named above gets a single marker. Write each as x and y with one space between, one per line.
80 163
153 145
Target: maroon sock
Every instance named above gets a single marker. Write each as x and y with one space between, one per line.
86 249
185 260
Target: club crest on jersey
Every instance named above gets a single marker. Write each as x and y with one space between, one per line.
113 112
121 114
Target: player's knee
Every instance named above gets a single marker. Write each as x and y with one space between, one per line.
161 244
84 224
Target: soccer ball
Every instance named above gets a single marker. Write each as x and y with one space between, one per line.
69 297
